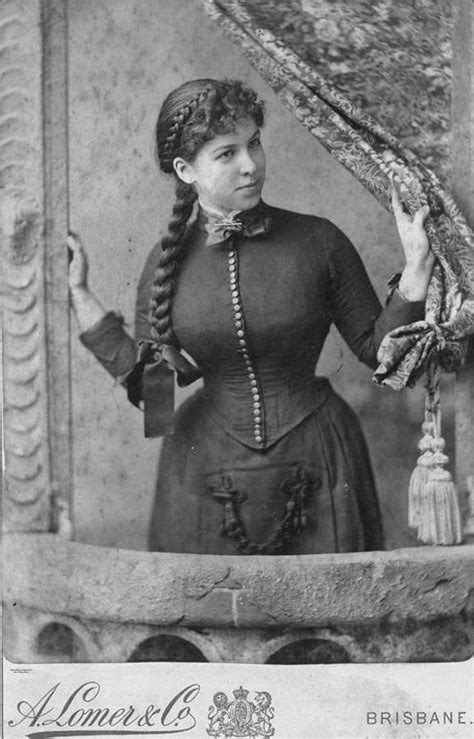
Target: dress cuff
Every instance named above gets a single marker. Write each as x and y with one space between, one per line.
406 311
414 310
111 345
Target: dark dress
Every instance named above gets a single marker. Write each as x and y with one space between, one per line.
266 458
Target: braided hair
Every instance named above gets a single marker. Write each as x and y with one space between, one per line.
194 113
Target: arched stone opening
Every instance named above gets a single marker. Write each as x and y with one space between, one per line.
59 642
310 652
166 648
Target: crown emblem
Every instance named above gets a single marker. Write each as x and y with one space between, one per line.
240 693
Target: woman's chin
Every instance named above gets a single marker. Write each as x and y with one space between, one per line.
248 198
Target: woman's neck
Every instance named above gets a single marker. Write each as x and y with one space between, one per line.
214 212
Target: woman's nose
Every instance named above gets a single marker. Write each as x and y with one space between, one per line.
247 164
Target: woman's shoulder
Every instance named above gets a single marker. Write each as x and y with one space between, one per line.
309 228
305 221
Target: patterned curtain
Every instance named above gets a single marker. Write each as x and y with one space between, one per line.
278 40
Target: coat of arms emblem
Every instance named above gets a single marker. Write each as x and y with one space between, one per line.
241 717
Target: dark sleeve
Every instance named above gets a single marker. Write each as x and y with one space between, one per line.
357 312
111 345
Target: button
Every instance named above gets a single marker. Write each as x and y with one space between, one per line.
255 392
238 314
232 259
257 404
253 383
234 294
235 302
233 281
242 342
257 414
251 373
258 438
238 324
240 333
231 254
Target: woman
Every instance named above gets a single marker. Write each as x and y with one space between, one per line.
266 458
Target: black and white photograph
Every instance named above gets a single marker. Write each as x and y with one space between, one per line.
238 367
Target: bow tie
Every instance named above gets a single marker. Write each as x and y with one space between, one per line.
255 222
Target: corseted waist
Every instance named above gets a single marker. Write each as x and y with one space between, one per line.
260 418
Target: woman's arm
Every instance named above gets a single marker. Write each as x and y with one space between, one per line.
357 312
103 334
102 331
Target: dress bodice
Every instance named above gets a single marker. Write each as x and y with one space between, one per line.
254 313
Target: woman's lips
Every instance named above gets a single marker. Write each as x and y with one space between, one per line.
249 186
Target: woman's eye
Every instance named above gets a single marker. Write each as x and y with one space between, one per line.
226 154
255 143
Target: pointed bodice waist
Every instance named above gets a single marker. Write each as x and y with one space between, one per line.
260 408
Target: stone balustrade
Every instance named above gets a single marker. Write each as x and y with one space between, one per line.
71 601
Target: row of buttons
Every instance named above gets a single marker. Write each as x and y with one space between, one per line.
239 325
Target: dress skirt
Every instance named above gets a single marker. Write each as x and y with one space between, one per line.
310 492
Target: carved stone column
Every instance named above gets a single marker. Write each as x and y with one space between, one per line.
33 224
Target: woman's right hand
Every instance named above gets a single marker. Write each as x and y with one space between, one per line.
89 311
78 265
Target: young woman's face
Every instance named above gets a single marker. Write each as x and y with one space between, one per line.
228 172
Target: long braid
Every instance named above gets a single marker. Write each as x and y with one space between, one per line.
166 273
164 281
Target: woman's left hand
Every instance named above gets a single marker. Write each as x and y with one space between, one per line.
411 231
418 255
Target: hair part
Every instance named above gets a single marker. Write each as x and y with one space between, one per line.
191 115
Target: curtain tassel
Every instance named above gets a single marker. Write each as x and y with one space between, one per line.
439 518
420 475
433 500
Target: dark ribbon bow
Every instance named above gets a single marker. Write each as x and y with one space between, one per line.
153 380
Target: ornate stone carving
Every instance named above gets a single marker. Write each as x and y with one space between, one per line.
33 223
21 220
